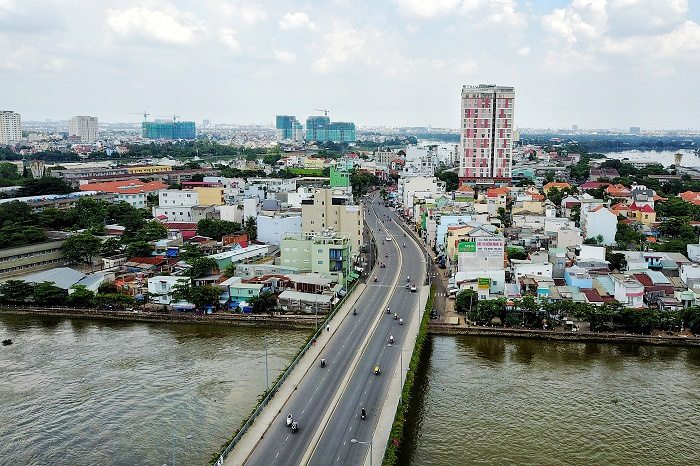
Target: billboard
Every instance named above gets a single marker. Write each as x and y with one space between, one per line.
466 246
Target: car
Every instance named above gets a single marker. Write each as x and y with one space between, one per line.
388 238
413 287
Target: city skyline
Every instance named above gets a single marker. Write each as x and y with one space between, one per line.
594 64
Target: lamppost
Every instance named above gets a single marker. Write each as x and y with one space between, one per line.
267 374
390 345
369 442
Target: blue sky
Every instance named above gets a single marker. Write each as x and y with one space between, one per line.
594 63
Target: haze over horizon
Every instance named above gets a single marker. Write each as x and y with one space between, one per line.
591 63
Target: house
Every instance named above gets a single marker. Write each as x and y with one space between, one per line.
628 291
161 288
600 222
644 213
554 184
578 277
691 197
603 173
618 191
464 193
620 209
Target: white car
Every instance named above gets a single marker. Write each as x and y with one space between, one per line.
388 238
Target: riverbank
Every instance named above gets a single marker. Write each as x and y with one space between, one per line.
563 335
239 320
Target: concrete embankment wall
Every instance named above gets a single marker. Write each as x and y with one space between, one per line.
289 322
594 337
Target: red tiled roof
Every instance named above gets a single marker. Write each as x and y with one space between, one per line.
148 260
124 187
593 185
180 225
592 295
644 279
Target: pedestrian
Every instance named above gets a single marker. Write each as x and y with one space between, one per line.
313 342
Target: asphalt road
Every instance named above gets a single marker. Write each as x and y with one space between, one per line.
348 382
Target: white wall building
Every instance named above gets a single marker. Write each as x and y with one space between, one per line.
160 287
408 186
85 127
176 205
628 291
270 229
534 269
10 127
600 222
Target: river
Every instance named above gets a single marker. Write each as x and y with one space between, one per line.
99 392
527 402
664 157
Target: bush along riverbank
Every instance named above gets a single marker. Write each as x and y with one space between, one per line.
397 430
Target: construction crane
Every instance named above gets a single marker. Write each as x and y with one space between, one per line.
145 115
174 117
325 112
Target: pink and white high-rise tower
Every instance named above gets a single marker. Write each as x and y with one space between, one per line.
486 135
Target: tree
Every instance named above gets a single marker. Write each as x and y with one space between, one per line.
202 296
504 217
230 271
517 254
49 293
138 249
9 171
181 290
201 266
467 301
45 185
111 247
15 291
265 302
627 235
450 178
189 252
82 247
89 213
617 261
19 235
152 231
81 297
216 229
250 226
16 213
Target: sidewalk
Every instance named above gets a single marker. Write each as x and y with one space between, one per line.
272 411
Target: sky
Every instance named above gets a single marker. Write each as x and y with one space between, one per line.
591 63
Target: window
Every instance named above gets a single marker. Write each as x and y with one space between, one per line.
320 262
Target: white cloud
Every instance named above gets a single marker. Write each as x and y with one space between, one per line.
482 12
412 28
23 57
157 25
342 45
523 52
296 21
248 13
228 38
635 17
429 9
284 56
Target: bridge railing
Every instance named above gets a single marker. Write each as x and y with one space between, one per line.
275 388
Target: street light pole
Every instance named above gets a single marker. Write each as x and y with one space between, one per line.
267 374
369 442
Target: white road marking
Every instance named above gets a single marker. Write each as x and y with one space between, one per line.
304 409
278 454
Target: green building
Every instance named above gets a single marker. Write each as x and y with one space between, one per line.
325 252
289 128
340 176
168 130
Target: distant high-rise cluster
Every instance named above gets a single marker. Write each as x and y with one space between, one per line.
289 128
10 127
168 130
486 135
318 128
84 127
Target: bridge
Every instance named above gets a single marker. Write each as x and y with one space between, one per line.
327 401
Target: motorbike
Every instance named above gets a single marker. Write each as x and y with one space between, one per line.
386 255
323 362
388 311
375 279
354 312
407 286
391 339
364 413
396 316
404 244
295 427
408 279
400 321
289 420
376 370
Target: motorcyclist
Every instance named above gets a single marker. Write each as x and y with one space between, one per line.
388 310
295 426
404 244
408 278
354 311
375 278
391 338
396 315
364 413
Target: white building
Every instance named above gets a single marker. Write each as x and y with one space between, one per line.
486 138
270 229
176 205
160 287
600 222
85 127
244 209
628 291
10 127
536 268
408 186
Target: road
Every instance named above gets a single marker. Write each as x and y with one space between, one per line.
328 400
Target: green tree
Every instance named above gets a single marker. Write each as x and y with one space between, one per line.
627 235
202 296
9 171
617 261
111 247
190 251
89 213
230 271
16 213
505 217
15 291
450 178
82 247
152 231
45 185
18 235
467 301
48 293
216 229
266 302
250 226
138 249
517 254
81 297
201 266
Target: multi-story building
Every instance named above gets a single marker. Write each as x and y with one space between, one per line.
175 205
325 252
320 129
31 258
333 209
10 127
486 135
84 127
289 128
132 192
168 130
